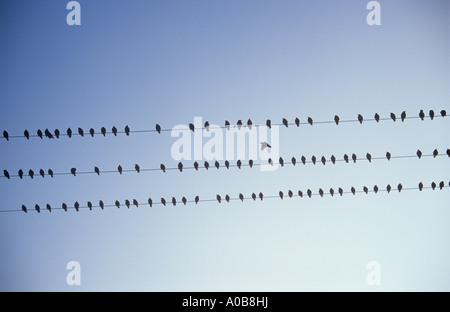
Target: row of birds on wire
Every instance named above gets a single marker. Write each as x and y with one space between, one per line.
206 165
241 197
103 131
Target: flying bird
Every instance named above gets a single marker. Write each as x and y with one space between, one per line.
41 172
163 201
81 132
297 121
264 145
184 200
310 121
346 158
137 168
26 134
249 124
180 166
117 203
195 166
388 188
321 192
369 157
239 124
309 192
24 209
360 118
388 156
239 163
6 135
227 124
150 202
432 114
217 165
119 168
127 130
250 163
293 160
174 201
269 123
399 187
192 127
377 117
6 174
39 133
207 125
50 172
20 173
241 197
393 117
96 170
101 204
57 133
435 153
38 209
31 173
64 207
103 131
73 171
300 193
303 160
196 199
219 198
281 161
69 132
433 186
285 122
313 158
419 154
366 190
336 119
158 128
420 186
375 189
443 113
261 195
281 194
354 158
353 190
89 204
227 164
421 114
76 206
403 116
331 192
333 159
92 132
323 160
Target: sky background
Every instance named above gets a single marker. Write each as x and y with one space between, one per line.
139 63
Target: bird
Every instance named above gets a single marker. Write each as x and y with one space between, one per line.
114 130
117 203
281 161
331 192
377 117
435 153
163 201
346 158
6 135
375 189
69 132
150 202
103 131
399 187
180 166
41 172
431 114
265 145
64 207
421 114
219 198
441 185
309 192
81 132
127 130
57 133
137 168
207 125
313 158
249 124
241 197
135 202
50 172
360 118
420 186
433 186
239 163
365 189
206 164
388 188
393 117
227 124
293 160
239 124
39 133
310 121
333 159
101 204
269 123
20 173
300 193
297 121
31 173
196 165
250 163
403 116
303 160
419 154
388 156
73 171
48 134
76 206
92 132
158 128
448 152
96 170
285 122
119 168
281 194
290 194
227 164
217 165
353 190
369 157
6 174
184 200
192 127
321 192
89 204
26 134
24 209
354 158
49 208
336 119
323 160
174 201
261 195
38 209
443 113
196 199
163 168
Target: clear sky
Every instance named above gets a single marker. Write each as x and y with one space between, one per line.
139 63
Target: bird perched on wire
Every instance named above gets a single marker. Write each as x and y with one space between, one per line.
26 134
366 190
24 209
419 154
432 114
346 158
89 204
192 127
174 201
321 192
81 132
388 156
281 161
336 119
448 152
197 199
435 153
180 166
64 207
290 194
117 203
300 193
323 160
250 163
285 122
38 209
309 192
103 131
353 190
333 159
313 159
261 195
369 157
219 198
184 200
331 192
281 194
433 185
73 171
92 132
20 173
310 121
69 132
114 130
6 174
96 170
393 117
207 125
227 164
421 114
39 133
443 113
120 169
293 160
127 130
227 125
150 202
375 189
137 168
163 201
76 206
49 208
388 188
41 172
6 135
403 116
48 134
239 163
297 122
217 165
249 124
420 186
360 118
241 197
239 124
101 204
354 158
377 117
31 173
303 160
269 123
50 172
441 185
399 187
158 128
206 164
57 133
196 166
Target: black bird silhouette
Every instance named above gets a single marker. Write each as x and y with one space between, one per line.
300 193
239 124
49 208
150 202
448 152
290 194
216 164
24 209
73 171
227 124
321 192
6 135
388 156
196 200
196 165
48 134
281 162
270 161
313 159
26 134
331 192
297 121
127 203
354 158
180 166
241 197
431 114
39 133
41 172
366 190
443 113
96 170
285 122
250 163
92 132
163 201
261 195
101 204
184 200
103 131
369 157
163 168
336 119
323 160
420 186
64 207
375 188
137 168
433 186
399 187
135 202
309 192
76 206
69 132
293 160
269 123
421 114
403 116
31 173
441 185
388 188
174 201
206 164
303 160
239 163
419 154
114 131
120 169
117 203
207 125
20 173
281 194
192 127
38 209
57 133
377 117
127 130
346 158
393 117
219 198
6 174
81 132
50 172
435 153
333 159
353 190
249 124
89 204
310 121
158 128
227 164
360 118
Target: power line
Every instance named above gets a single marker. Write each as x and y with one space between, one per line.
206 165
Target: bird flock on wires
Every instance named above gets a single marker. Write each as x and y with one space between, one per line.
56 134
